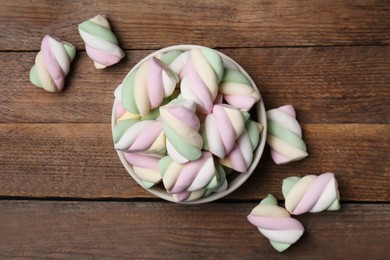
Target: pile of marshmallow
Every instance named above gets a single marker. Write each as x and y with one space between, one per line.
182 119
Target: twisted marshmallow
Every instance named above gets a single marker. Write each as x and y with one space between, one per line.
311 193
145 167
133 135
188 177
276 224
285 135
52 64
240 158
144 89
217 184
202 74
221 129
181 127
122 114
237 90
101 43
169 57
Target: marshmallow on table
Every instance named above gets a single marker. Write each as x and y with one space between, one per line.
240 158
237 90
52 64
284 135
276 224
311 193
221 128
199 80
192 177
145 167
101 43
144 89
181 126
132 135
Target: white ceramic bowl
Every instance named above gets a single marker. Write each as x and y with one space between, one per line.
240 178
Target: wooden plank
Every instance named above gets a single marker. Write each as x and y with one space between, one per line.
134 230
78 160
326 85
155 24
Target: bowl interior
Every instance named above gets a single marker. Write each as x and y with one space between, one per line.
240 178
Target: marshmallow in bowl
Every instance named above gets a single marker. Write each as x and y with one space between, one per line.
144 89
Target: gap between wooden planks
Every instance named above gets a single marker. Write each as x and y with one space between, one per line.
79 161
325 85
156 24
55 229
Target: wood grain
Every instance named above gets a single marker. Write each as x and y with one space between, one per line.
326 85
163 230
156 24
78 161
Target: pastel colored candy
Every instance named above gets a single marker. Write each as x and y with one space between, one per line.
237 90
132 135
169 57
101 43
144 89
241 157
179 63
52 64
122 114
221 129
285 135
276 224
181 126
145 167
201 75
311 193
189 177
217 184
220 179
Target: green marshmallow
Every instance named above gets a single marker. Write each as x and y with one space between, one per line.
34 77
219 179
285 134
128 99
335 205
288 184
202 132
280 247
187 150
163 165
70 50
98 31
121 128
170 56
215 60
269 200
147 185
253 131
235 76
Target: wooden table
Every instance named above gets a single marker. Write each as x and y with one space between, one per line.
64 193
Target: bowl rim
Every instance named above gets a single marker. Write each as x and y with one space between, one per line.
242 177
